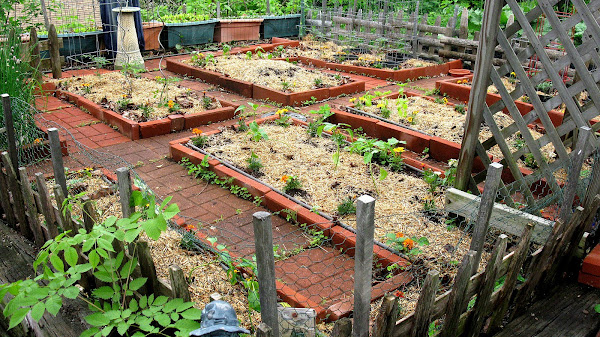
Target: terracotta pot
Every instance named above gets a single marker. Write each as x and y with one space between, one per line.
237 30
151 34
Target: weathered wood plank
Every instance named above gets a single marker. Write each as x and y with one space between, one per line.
46 205
457 302
363 264
17 196
465 204
425 304
32 215
387 314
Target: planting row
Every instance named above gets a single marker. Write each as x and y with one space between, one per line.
301 167
142 107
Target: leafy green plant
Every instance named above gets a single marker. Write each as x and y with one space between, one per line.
257 133
207 101
346 206
64 260
460 108
405 244
292 183
147 110
285 86
254 163
226 50
248 55
318 82
283 120
316 126
545 87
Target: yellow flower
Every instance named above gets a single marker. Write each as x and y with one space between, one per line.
410 119
196 131
362 99
445 100
353 99
86 84
381 105
124 95
37 141
399 149
171 104
513 74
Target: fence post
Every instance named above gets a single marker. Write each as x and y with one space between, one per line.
47 208
30 207
178 283
486 205
147 266
425 303
10 132
263 330
124 182
17 196
415 31
64 213
89 214
363 264
577 158
484 295
477 97
54 52
342 328
302 18
265 265
58 165
5 198
457 301
34 52
386 318
503 300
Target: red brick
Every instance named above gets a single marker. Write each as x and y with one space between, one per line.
177 122
255 188
591 263
588 279
298 98
415 141
368 125
348 88
209 116
238 86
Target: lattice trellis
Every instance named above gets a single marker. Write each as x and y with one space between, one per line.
561 137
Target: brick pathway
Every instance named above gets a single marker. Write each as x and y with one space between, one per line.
320 276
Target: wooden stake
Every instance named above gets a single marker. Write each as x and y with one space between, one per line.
17 196
46 204
7 206
457 303
178 283
66 221
10 132
263 330
53 46
58 165
89 214
514 269
147 266
388 313
425 304
481 80
482 305
363 264
492 181
124 184
265 265
29 201
34 50
342 328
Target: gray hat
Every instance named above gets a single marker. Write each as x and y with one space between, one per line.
218 316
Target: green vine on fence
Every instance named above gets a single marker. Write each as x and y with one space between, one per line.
116 305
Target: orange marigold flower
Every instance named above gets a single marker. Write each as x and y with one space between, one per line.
190 228
285 178
171 104
408 244
37 141
398 293
196 131
399 234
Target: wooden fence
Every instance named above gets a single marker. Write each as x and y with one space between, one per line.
419 39
22 207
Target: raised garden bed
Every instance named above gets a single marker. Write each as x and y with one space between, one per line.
436 118
123 101
290 153
460 89
362 61
275 80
